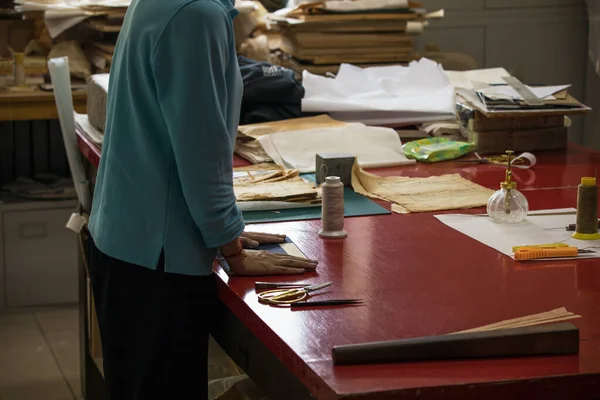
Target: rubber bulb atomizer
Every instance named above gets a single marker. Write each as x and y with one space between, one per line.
508 205
587 210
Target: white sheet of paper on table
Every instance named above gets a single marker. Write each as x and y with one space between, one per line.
421 89
374 147
536 229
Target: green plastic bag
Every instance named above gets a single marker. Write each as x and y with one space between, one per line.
436 149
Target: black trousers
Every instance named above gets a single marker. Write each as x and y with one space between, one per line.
154 328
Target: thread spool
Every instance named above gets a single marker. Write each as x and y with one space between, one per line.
586 227
332 214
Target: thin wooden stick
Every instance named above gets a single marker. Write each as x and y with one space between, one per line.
559 314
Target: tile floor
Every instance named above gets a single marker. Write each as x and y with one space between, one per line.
39 355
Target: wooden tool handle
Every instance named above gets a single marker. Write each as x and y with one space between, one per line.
560 338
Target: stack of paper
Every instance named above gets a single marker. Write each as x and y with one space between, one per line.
271 187
373 147
393 95
488 91
248 146
319 36
83 124
262 173
496 117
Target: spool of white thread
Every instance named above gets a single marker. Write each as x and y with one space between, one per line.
332 214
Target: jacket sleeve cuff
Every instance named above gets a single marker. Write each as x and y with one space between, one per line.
217 238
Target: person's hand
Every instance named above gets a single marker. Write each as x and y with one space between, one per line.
251 240
259 262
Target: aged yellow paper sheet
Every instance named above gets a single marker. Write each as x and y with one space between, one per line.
435 193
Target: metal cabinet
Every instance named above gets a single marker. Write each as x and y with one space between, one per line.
38 262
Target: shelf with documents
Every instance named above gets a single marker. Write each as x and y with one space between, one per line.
35 105
538 41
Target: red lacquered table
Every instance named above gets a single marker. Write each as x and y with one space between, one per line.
419 278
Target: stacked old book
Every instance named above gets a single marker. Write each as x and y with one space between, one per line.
320 36
518 133
105 19
510 115
100 47
100 53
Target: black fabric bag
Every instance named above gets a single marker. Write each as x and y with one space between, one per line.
271 92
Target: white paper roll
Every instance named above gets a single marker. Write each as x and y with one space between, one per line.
61 82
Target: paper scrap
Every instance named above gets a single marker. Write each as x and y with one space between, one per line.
248 146
374 147
435 193
266 187
262 173
534 230
293 189
292 249
531 161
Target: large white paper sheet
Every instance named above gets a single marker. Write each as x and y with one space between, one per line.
419 90
374 147
541 227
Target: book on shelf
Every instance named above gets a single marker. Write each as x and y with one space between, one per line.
519 140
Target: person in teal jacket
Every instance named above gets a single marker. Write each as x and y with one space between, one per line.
163 200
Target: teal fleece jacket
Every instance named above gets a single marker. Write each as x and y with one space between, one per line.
165 177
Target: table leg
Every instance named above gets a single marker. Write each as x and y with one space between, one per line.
255 359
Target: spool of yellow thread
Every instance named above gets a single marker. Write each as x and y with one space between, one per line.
587 210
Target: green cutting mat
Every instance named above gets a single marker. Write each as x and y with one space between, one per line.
354 205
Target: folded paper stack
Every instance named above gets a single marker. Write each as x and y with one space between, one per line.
496 114
383 96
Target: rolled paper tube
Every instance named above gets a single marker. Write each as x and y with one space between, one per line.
549 339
